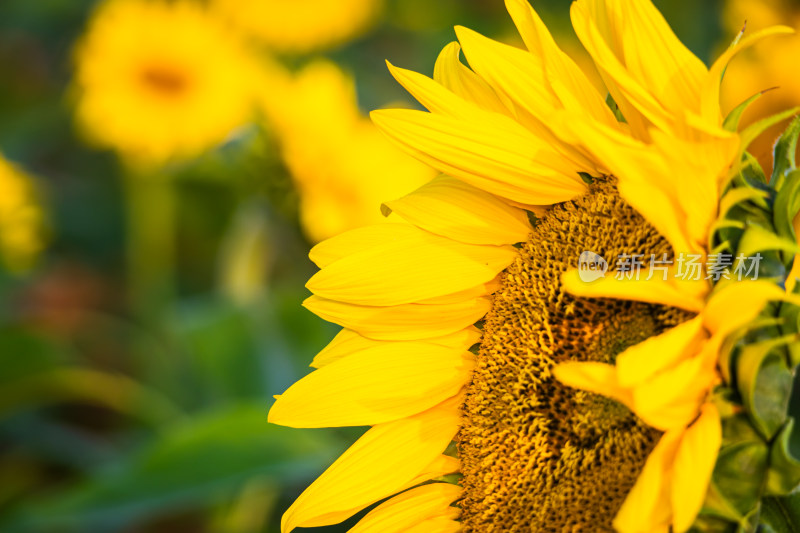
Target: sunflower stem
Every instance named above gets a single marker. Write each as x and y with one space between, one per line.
150 244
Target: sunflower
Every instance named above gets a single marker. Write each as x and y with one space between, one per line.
301 26
21 219
333 152
506 392
157 80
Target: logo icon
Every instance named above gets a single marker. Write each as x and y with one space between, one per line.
591 266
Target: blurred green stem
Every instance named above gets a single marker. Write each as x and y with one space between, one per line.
151 244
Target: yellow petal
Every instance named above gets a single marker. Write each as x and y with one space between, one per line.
437 98
672 398
694 464
640 108
484 289
566 79
642 361
382 462
593 377
465 338
733 307
358 240
685 295
409 508
436 525
343 344
701 166
442 465
348 342
454 209
653 177
661 212
410 270
656 57
375 385
401 322
450 72
497 155
711 87
510 71
520 76
737 304
647 68
623 155
647 507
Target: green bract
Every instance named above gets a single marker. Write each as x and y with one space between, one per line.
757 475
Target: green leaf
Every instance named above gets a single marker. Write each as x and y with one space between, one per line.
222 349
784 153
787 204
757 239
730 349
784 459
749 134
737 205
711 524
734 117
741 195
750 171
790 315
736 486
739 473
781 515
24 354
196 462
763 251
765 383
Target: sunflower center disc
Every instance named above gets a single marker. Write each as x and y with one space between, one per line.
536 455
164 81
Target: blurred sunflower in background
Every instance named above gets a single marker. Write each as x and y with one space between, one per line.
157 81
22 220
763 67
505 392
342 165
301 26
